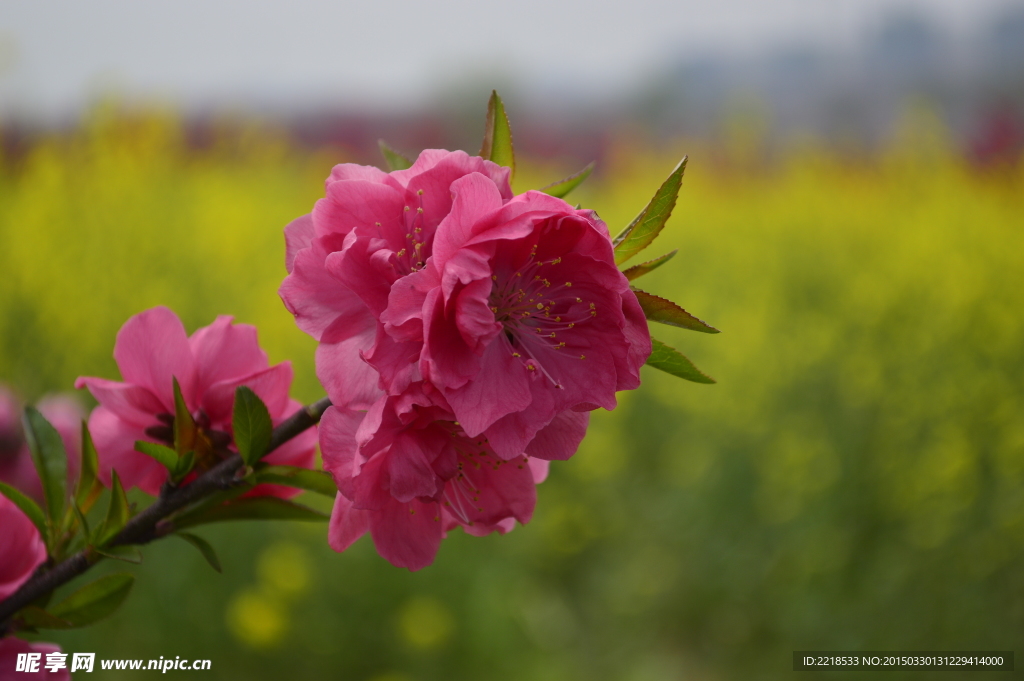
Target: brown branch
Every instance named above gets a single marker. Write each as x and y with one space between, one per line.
143 528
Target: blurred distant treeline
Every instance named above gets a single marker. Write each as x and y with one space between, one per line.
855 480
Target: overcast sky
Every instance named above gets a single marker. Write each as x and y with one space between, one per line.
57 54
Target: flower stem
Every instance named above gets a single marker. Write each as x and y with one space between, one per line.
142 528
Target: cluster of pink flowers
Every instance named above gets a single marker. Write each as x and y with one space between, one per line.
151 351
464 335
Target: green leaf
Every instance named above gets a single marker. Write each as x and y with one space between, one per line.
303 478
497 144
183 467
666 312
204 548
672 361
94 601
128 554
87 480
51 463
29 507
164 455
253 508
637 271
117 511
37 618
184 424
649 223
562 187
394 160
83 524
252 425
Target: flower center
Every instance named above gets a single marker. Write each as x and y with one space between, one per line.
539 311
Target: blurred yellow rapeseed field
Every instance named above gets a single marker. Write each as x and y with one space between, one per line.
854 480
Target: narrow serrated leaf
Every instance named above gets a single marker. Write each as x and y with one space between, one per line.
184 424
29 507
562 187
659 309
128 554
393 159
637 271
204 548
252 425
164 455
672 361
37 618
94 601
497 144
51 462
253 508
117 511
639 234
87 479
303 478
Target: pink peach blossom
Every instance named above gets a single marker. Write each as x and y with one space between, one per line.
371 229
21 548
11 647
65 413
151 349
519 315
408 474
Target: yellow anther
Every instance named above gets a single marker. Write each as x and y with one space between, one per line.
400 253
583 356
418 230
569 284
516 354
419 210
419 192
572 324
540 306
579 300
407 208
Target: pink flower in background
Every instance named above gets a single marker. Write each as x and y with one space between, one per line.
16 465
152 348
371 229
21 548
408 474
519 315
11 647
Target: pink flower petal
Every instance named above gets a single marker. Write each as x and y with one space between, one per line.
115 444
315 297
271 385
297 235
151 349
132 403
21 548
560 439
223 351
407 534
347 524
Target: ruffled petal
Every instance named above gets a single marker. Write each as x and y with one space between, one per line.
560 439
